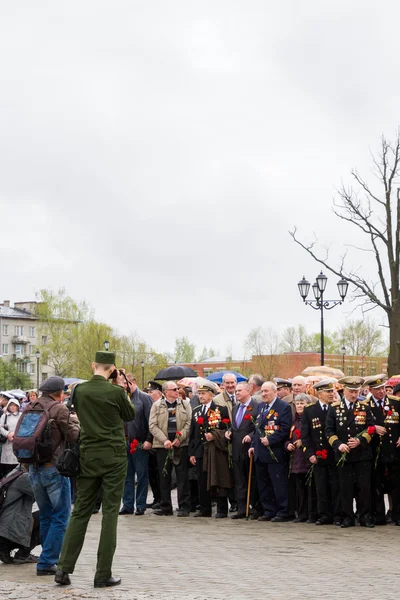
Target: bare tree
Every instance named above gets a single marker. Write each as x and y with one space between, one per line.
264 345
378 217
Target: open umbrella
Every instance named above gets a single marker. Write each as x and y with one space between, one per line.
218 375
394 380
175 372
327 371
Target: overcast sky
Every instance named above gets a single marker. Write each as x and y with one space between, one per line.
154 154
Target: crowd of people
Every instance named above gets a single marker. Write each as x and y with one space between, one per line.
272 451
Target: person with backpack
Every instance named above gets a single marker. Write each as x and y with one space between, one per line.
8 423
39 438
19 526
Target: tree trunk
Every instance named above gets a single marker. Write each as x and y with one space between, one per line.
394 352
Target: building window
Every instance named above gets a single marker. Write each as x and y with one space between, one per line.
19 330
5 348
207 372
31 332
5 329
22 367
44 376
31 368
19 350
349 370
44 340
31 349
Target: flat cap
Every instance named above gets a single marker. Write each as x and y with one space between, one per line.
352 383
105 358
282 382
324 385
376 381
52 384
396 389
153 385
207 387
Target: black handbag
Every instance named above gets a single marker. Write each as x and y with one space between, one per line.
4 438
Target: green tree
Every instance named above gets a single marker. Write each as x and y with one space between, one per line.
184 351
207 353
11 379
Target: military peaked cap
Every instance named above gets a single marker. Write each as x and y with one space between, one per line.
376 381
325 385
352 383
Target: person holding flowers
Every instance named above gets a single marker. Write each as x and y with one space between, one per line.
272 428
349 428
169 424
298 464
386 450
208 450
320 454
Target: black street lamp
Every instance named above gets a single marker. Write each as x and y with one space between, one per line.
319 303
142 365
343 353
106 345
37 354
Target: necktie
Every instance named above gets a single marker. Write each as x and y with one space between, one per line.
233 399
325 408
351 406
239 415
205 410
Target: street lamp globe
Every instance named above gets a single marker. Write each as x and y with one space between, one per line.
343 286
343 350
321 280
37 354
316 290
304 288
106 345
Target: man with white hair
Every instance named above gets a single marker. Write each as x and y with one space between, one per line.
227 397
255 382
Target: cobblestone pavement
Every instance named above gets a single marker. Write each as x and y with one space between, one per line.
197 559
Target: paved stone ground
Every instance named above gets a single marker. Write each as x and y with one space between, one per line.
197 559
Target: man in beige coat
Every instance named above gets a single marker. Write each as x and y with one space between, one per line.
227 397
169 424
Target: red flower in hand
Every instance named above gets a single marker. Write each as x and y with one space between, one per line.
134 445
297 433
247 418
324 454
200 420
226 421
371 429
178 434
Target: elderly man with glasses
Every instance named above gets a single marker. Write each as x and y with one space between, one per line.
169 424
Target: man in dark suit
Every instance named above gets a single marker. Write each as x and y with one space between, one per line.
207 425
385 450
241 433
320 454
273 424
349 428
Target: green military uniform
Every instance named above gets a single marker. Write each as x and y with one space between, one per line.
101 408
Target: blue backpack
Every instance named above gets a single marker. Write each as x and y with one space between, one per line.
32 441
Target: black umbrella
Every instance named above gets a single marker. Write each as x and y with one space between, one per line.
175 372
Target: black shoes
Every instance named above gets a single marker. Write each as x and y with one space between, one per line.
239 515
5 557
347 523
201 513
323 521
367 523
221 515
264 518
19 559
300 520
99 583
123 511
139 512
48 571
62 578
162 513
280 519
182 513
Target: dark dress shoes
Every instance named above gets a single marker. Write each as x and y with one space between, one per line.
162 513
239 515
279 519
323 521
123 511
337 521
367 523
182 513
5 557
62 578
347 523
107 582
221 515
264 518
47 571
139 512
300 520
201 513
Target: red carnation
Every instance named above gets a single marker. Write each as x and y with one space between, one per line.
324 454
226 421
318 453
371 429
389 413
134 445
298 433
247 418
178 434
200 420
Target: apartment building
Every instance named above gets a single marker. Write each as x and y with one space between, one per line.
20 338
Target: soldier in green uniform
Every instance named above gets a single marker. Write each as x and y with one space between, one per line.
101 409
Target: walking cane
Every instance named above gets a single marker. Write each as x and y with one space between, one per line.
249 487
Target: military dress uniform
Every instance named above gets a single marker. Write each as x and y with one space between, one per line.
101 408
386 456
343 423
325 471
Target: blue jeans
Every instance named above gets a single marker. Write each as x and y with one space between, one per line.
138 463
53 497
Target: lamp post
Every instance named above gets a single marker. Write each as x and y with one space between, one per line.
106 345
142 365
37 354
343 353
319 303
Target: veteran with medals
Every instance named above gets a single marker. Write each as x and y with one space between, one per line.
349 429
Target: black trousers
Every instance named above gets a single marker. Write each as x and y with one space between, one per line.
154 477
355 475
23 551
327 488
182 479
241 469
379 483
205 497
